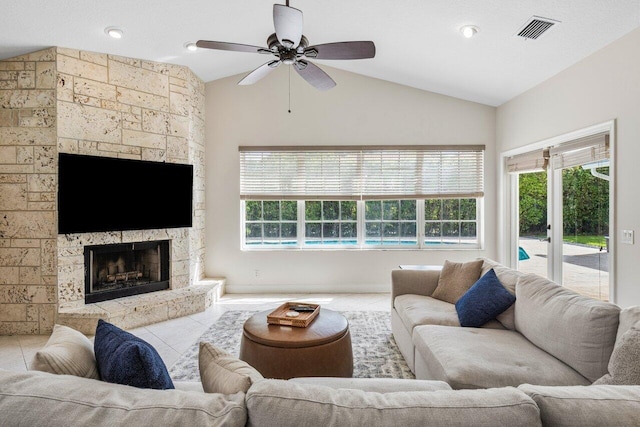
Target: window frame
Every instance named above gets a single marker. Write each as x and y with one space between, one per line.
262 221
509 213
302 222
361 244
384 221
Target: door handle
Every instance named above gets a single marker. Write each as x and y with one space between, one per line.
546 239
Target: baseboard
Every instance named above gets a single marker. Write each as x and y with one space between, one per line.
307 289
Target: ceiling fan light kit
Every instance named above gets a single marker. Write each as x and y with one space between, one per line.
291 47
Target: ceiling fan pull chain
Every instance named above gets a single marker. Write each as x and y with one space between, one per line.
289 86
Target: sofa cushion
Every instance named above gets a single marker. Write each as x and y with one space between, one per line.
508 277
305 404
578 330
485 300
376 385
220 372
42 399
67 352
455 279
126 359
592 406
415 310
484 358
624 365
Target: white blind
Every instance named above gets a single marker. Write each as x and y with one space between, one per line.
354 172
531 161
591 149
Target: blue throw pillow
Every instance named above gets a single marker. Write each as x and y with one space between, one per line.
485 300
126 359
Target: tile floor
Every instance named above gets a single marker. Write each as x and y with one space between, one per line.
173 337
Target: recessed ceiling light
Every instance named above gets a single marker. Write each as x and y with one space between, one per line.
114 32
191 46
469 31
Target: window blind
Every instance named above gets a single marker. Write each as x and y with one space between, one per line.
355 172
533 161
591 149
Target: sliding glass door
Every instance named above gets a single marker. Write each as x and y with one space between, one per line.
585 227
560 209
533 245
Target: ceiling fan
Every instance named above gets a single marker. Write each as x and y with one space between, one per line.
291 47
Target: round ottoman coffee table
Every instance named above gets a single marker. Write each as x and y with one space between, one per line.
322 349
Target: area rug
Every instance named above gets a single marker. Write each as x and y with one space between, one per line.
375 353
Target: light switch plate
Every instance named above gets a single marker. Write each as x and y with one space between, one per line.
627 237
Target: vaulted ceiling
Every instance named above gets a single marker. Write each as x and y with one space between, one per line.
418 41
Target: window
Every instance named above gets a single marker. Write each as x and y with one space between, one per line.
391 222
361 197
385 223
451 221
271 222
331 222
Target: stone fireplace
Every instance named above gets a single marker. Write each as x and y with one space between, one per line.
119 270
61 100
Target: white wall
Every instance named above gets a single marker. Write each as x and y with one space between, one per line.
600 88
360 110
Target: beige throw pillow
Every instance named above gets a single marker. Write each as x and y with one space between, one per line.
624 365
455 280
68 352
220 372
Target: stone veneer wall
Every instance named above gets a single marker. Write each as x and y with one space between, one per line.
65 100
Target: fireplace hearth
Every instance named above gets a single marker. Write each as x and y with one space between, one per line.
119 270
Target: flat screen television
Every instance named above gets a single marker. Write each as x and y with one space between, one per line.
109 194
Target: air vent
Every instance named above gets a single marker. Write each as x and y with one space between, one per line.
536 27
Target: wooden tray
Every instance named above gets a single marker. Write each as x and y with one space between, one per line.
277 316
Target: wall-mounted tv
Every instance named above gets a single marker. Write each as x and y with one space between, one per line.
109 194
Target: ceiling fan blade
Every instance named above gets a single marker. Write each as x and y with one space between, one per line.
314 75
235 47
342 50
259 72
288 24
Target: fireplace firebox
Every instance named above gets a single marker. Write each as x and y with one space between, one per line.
123 269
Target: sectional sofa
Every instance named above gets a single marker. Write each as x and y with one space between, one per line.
43 399
550 336
510 388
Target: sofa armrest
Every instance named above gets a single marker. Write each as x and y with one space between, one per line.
418 282
586 406
189 386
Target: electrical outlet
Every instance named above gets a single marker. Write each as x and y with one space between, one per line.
627 237
257 273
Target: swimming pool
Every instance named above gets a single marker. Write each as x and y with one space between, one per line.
369 243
